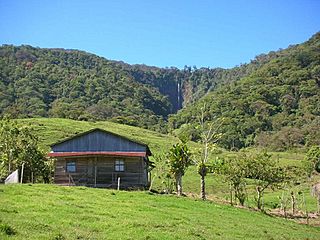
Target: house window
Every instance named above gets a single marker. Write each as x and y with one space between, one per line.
71 166
119 166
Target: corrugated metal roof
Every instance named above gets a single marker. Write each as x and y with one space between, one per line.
124 154
89 142
96 129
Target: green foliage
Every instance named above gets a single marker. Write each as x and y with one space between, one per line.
313 158
263 171
179 161
179 158
72 84
19 146
37 82
61 83
275 106
236 172
162 174
266 172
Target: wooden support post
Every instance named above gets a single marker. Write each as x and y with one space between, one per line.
95 171
22 168
118 184
95 175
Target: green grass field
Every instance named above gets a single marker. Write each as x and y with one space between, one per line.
51 130
55 212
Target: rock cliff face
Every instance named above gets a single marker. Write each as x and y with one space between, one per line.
187 85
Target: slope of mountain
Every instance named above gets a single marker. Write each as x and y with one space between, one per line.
277 105
73 84
78 85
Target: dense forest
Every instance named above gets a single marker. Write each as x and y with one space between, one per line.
276 106
271 101
72 84
36 82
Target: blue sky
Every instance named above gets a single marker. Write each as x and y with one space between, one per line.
162 32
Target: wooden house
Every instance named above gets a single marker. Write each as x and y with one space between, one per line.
99 158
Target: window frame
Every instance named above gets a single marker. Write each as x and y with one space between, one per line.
119 165
73 165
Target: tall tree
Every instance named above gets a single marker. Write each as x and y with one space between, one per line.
179 161
209 136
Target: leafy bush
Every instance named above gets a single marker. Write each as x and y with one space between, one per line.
313 158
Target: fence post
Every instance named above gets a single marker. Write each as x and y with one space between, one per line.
22 168
95 175
118 183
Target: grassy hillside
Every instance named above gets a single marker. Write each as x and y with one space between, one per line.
51 130
54 212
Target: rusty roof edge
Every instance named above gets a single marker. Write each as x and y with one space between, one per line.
61 154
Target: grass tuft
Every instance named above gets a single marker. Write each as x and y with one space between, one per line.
59 236
7 229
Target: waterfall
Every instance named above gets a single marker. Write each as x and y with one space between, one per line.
178 105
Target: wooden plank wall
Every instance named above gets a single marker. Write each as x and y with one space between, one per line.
99 171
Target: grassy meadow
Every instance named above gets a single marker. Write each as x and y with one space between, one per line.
54 212
51 130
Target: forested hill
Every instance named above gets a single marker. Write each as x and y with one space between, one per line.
74 84
277 105
78 85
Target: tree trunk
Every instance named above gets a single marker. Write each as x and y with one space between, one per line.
293 203
179 184
203 187
259 197
231 197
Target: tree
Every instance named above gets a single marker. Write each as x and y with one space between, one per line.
236 171
162 173
179 161
313 159
19 146
9 132
32 156
209 137
265 172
